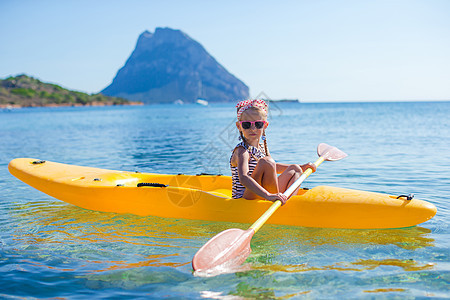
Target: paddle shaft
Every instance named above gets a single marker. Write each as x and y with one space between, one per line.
260 222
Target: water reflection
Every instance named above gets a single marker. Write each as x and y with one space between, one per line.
98 242
68 222
111 250
148 261
357 266
299 237
134 241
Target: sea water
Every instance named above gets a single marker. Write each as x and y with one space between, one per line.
51 249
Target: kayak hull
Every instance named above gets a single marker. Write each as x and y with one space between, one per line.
208 197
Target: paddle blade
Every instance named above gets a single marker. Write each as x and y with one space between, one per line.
230 247
330 153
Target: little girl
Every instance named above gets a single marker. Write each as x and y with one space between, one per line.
254 172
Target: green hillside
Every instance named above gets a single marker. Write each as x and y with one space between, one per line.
26 91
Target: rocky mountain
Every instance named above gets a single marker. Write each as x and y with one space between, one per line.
167 66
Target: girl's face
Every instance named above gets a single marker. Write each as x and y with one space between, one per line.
252 134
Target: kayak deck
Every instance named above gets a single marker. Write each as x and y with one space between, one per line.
208 197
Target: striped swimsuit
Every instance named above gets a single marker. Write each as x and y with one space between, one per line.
238 189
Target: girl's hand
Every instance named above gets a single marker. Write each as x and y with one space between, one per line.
278 196
307 166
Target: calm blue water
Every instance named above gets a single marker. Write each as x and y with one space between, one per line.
51 249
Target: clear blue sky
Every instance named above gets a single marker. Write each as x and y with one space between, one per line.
317 50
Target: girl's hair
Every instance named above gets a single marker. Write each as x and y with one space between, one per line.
266 149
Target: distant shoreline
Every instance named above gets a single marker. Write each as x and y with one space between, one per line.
16 106
25 91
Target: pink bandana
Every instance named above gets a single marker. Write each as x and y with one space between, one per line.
246 104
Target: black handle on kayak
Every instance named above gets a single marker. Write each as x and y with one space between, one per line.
408 197
151 184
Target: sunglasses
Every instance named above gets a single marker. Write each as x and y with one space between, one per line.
247 124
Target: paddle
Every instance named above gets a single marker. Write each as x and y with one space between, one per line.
232 246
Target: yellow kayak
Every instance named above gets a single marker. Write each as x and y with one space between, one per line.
208 197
